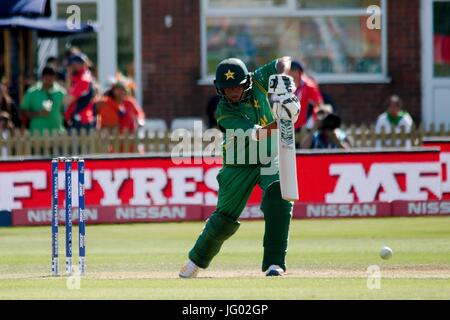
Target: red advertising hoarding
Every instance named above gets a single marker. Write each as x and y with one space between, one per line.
444 145
118 190
369 176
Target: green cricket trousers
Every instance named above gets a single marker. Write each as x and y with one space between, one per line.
236 184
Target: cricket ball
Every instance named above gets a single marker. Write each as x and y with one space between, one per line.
386 253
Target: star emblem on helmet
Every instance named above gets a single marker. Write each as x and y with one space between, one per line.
229 75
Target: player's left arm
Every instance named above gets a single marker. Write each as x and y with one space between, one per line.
278 66
282 89
284 65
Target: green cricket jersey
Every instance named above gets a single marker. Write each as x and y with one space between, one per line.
245 115
34 100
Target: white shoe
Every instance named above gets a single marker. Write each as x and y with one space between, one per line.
190 270
274 271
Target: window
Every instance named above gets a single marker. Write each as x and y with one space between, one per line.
331 37
246 3
441 39
340 4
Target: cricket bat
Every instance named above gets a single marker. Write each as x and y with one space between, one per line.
287 160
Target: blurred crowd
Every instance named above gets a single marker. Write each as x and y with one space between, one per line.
68 97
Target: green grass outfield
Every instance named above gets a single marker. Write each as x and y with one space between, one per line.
327 259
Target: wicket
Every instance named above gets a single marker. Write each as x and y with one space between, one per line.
68 214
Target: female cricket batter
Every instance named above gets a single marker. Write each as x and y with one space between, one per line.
244 105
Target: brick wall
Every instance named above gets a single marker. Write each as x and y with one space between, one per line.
171 58
171 65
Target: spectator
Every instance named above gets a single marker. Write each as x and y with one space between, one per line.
7 105
2 64
53 62
6 127
131 86
68 53
308 92
6 124
326 132
119 109
80 100
43 103
394 117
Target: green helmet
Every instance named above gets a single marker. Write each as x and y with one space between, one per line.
232 73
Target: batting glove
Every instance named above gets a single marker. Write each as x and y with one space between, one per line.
280 84
288 107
